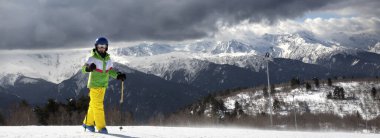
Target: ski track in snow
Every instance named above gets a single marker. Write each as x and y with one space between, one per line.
168 132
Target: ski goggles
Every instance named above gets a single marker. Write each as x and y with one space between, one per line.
101 46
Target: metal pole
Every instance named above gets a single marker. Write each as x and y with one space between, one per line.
295 115
366 120
85 127
269 92
121 102
122 92
87 112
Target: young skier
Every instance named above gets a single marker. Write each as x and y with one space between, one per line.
100 67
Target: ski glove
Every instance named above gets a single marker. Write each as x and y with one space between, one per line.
91 67
120 76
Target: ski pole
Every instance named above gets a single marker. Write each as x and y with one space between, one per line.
121 102
85 127
122 93
87 114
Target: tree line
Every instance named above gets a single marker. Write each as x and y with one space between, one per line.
71 112
212 110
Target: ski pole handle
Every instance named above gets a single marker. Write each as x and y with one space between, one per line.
122 92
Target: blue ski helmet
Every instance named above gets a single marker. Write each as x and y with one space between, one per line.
102 41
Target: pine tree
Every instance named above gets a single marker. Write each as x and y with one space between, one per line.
358 115
272 89
308 86
294 83
51 106
329 95
218 107
329 82
42 115
342 93
316 82
336 93
373 92
2 120
276 104
238 110
265 92
71 106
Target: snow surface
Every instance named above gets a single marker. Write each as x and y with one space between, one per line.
359 100
168 132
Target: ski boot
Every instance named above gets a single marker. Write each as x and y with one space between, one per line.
90 128
103 131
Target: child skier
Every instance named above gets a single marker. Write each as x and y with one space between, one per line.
100 67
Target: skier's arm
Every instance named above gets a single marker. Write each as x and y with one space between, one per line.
113 73
84 68
117 75
89 66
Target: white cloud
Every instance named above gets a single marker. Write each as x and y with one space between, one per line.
354 25
337 29
354 8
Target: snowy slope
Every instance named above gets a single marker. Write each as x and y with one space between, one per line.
168 132
375 49
53 66
304 47
358 100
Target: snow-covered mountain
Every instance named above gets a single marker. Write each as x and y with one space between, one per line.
53 66
144 49
304 47
375 48
160 59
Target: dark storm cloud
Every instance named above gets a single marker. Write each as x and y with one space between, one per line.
31 24
363 8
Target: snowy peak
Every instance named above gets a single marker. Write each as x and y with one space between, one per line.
210 47
232 46
166 69
144 49
302 46
8 79
375 49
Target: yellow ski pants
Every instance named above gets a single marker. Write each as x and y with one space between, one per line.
95 114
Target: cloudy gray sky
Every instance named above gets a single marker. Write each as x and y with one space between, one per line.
41 24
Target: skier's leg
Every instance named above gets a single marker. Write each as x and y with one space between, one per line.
89 119
98 108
